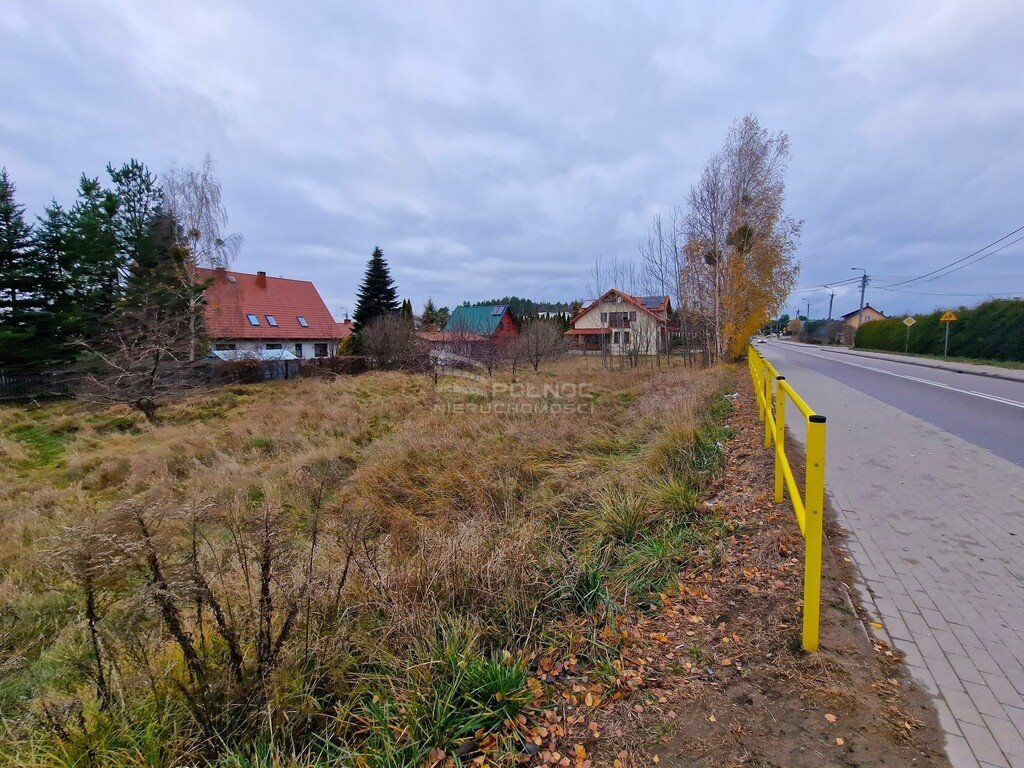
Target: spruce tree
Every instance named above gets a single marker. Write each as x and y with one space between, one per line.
18 301
429 317
93 264
143 234
56 324
377 295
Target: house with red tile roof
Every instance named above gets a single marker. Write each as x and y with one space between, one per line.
248 312
620 323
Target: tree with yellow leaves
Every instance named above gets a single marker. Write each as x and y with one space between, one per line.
739 264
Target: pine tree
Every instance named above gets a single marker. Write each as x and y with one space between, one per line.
17 299
406 311
377 295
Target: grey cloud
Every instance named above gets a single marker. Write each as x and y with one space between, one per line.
499 149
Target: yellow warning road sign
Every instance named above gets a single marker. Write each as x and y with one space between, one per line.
909 321
948 317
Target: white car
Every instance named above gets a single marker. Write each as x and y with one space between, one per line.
762 340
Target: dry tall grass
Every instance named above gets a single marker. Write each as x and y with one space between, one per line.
328 571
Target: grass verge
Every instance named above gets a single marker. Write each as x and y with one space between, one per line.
340 572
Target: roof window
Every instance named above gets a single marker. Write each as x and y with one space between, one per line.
271 320
302 321
253 320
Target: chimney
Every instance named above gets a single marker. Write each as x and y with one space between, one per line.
261 280
220 274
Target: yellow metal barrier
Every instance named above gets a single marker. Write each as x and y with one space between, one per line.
772 391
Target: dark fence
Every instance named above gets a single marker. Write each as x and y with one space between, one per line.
255 371
36 386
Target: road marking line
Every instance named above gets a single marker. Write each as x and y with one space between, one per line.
972 393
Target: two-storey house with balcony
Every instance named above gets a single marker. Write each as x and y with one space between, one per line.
619 323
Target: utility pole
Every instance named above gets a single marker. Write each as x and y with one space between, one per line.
863 286
831 298
808 313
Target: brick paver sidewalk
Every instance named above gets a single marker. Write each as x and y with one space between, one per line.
937 531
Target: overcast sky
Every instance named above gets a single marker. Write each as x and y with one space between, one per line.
494 151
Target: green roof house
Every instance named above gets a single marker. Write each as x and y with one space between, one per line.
491 322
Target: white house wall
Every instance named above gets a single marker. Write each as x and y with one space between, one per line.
253 345
644 325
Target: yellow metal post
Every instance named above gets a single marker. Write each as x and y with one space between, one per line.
753 380
814 502
766 380
755 375
780 438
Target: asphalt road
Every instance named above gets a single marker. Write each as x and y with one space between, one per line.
986 412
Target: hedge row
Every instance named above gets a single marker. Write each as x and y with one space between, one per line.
993 330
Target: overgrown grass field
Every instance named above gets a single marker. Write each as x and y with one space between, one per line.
357 571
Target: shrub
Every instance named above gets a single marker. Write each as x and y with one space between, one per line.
993 330
348 365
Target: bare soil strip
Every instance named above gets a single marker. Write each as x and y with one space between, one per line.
716 676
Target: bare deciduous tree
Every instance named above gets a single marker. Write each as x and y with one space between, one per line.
663 257
515 353
192 196
388 341
542 340
142 359
606 274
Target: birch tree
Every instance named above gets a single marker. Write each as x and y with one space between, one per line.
739 264
192 196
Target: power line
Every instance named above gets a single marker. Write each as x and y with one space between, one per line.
925 293
962 259
985 256
826 286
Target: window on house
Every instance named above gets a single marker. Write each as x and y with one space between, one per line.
302 321
615 337
253 320
273 346
604 317
320 349
224 347
632 316
298 350
625 337
271 320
